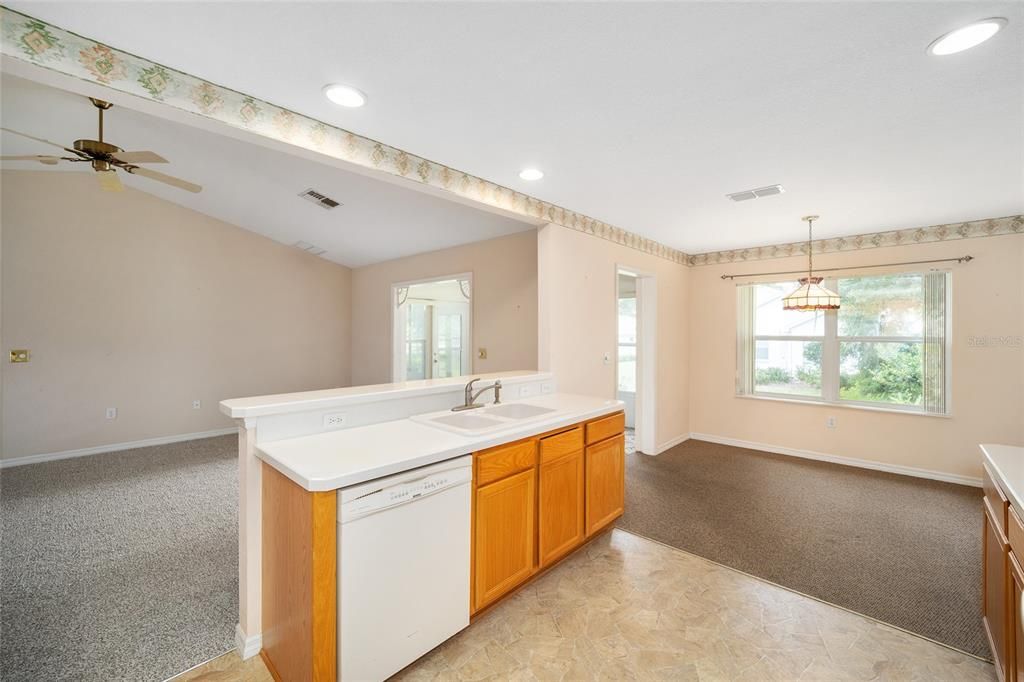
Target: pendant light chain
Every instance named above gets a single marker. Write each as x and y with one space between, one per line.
810 248
811 295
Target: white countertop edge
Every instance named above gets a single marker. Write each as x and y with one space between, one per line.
1013 486
307 401
468 445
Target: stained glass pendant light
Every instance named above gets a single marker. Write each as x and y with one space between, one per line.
811 295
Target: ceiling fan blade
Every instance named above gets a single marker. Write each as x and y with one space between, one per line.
48 160
109 181
139 157
166 179
39 139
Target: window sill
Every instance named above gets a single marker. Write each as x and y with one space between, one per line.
844 406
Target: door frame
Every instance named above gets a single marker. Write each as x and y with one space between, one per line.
396 363
646 354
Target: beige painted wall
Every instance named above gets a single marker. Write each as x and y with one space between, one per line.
988 382
129 301
504 304
578 321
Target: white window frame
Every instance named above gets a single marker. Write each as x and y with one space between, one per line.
831 342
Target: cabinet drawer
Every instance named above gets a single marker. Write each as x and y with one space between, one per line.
606 427
995 499
553 447
497 463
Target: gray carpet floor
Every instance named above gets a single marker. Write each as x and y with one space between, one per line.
904 550
120 566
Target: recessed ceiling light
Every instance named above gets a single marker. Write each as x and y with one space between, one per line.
967 37
531 174
345 95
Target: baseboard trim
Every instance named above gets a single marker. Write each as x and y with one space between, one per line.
247 646
671 443
839 459
113 447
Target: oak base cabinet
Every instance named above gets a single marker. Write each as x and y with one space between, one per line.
1016 618
606 482
560 518
994 598
503 536
538 499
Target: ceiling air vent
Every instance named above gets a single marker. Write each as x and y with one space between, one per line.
309 248
321 200
759 193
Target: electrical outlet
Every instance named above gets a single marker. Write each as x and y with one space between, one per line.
830 422
111 413
197 404
334 421
547 388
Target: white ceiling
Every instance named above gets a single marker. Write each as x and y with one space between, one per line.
642 114
249 185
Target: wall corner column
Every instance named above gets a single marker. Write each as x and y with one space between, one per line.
248 635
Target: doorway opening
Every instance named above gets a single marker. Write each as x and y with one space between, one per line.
432 328
634 366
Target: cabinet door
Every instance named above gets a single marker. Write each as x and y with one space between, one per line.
504 536
561 506
606 482
995 613
1016 619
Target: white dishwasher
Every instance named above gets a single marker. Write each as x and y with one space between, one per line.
403 567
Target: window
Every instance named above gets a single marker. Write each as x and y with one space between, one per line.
627 345
885 347
417 336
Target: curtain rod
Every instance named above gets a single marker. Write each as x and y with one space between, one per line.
961 259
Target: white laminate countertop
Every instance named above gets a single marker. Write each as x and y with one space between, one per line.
338 459
1007 463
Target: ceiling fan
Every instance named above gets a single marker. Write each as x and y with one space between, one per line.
106 159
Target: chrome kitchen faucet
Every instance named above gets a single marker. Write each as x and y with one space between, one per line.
471 397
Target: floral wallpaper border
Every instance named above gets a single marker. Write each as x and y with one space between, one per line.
990 227
28 39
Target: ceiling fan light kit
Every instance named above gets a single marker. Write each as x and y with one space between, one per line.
105 158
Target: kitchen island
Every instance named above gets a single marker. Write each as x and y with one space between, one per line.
1003 556
537 488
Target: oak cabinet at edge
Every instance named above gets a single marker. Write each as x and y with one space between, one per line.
503 536
995 562
1017 618
605 482
560 518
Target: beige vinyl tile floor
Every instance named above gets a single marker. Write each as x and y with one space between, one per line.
628 608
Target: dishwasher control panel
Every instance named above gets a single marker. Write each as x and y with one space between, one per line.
391 494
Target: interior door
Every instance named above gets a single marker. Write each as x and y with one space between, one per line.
450 332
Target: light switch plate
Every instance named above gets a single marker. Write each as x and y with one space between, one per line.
20 355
